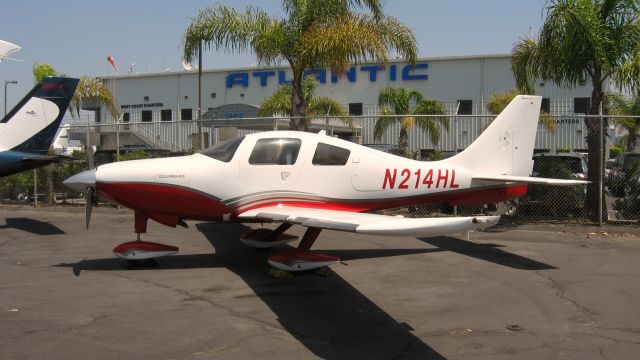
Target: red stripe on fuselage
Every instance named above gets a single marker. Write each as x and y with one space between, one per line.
163 199
188 204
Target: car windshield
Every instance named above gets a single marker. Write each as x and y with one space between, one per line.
547 164
631 161
223 151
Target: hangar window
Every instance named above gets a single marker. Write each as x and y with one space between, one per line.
165 115
147 116
125 117
355 109
330 155
546 105
465 107
186 114
581 105
223 151
275 151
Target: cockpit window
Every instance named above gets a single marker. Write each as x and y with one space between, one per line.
330 155
223 151
275 151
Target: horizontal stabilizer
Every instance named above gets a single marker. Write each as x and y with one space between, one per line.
45 159
528 180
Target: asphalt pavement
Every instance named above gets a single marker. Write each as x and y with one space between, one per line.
512 292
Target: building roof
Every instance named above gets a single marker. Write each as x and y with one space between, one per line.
284 66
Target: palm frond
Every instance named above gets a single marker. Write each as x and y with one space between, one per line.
270 43
400 99
339 41
498 101
407 122
432 125
383 123
548 121
526 64
92 89
223 27
278 103
328 107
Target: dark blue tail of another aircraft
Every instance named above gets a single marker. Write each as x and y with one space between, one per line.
33 123
26 133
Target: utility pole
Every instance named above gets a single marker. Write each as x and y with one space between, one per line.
6 82
200 133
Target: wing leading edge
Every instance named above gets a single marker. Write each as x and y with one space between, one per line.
371 224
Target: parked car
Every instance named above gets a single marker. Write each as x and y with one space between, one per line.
609 169
624 170
388 148
556 201
555 165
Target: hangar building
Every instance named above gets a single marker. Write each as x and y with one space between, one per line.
463 83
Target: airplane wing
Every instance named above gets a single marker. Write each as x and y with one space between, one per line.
372 224
527 180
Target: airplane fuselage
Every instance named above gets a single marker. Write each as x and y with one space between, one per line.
352 178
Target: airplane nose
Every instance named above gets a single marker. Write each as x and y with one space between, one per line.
81 181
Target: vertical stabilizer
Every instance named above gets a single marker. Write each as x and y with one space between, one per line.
32 124
506 146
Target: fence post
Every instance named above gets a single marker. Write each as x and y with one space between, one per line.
118 138
35 188
600 168
455 145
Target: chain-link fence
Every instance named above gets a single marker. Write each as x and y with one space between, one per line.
560 153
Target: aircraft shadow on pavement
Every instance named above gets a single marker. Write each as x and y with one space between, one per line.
486 252
174 262
326 314
32 226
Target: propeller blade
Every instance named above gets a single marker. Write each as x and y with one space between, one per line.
88 205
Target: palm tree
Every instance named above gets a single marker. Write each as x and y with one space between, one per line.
41 71
398 102
92 89
279 103
498 101
314 33
580 40
620 105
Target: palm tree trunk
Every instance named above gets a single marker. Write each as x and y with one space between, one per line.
633 136
48 179
298 103
404 137
594 137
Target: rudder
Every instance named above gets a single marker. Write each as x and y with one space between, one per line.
506 145
32 124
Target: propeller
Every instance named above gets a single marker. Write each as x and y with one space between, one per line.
90 200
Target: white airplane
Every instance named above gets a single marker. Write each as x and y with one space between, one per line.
320 182
6 49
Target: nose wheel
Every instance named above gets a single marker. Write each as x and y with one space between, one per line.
142 252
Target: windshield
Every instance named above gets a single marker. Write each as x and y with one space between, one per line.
223 151
547 164
631 161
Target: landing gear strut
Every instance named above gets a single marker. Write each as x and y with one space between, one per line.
133 251
266 238
301 258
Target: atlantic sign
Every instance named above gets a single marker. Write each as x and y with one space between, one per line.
372 72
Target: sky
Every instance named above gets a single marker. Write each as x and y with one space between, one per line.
76 36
